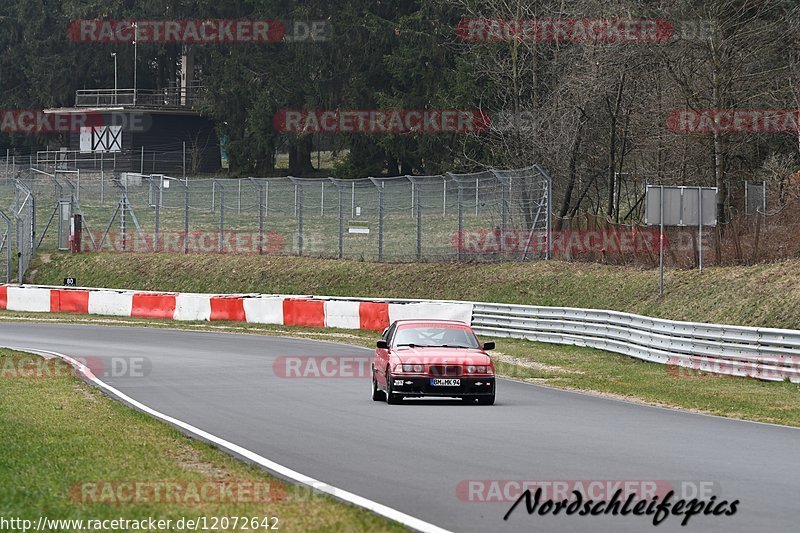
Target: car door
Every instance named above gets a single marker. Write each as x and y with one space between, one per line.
382 355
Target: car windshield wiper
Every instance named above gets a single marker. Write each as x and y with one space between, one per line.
447 346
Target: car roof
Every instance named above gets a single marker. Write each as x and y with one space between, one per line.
429 320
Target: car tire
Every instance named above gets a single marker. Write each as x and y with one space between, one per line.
486 400
377 394
391 399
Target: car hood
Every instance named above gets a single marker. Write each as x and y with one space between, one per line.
437 356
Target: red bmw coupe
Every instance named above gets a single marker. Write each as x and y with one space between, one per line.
432 358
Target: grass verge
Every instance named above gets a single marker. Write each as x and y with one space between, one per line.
765 295
566 367
57 433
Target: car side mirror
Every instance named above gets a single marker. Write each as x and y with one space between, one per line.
488 345
383 344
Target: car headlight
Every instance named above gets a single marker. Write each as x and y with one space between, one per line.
471 369
413 368
479 369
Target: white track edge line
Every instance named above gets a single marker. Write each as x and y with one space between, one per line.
340 494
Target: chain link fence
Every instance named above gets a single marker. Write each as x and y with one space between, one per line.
17 228
451 217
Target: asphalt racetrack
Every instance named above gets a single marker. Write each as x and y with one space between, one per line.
416 456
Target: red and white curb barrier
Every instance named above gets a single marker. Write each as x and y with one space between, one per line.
286 310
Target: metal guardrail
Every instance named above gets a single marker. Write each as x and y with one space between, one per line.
763 353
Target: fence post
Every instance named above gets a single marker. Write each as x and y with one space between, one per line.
222 220
102 181
503 213
300 221
444 197
260 222
380 185
185 216
460 221
160 182
260 214
123 212
340 194
477 186
418 204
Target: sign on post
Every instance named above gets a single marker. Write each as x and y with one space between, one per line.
680 206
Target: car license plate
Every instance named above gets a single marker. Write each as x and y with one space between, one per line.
441 382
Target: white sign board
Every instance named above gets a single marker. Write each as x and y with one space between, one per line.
101 139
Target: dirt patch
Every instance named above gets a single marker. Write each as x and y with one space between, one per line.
529 363
190 459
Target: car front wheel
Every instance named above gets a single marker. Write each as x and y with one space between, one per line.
391 399
377 394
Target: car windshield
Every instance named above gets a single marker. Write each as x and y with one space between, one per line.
436 337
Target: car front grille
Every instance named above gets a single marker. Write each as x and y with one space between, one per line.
445 370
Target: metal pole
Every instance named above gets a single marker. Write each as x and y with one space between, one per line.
185 216
141 164
341 221
700 226
183 160
413 206
503 214
380 221
135 57
549 251
444 198
122 228
419 224
260 223
477 185
213 195
158 213
114 55
460 221
102 181
661 244
299 209
221 243
353 199
239 208
322 199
